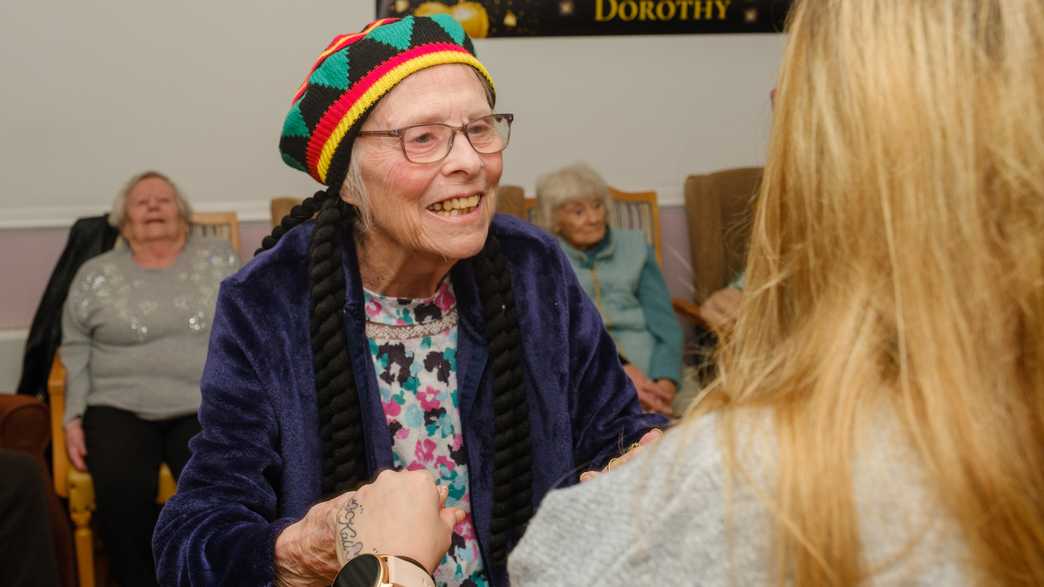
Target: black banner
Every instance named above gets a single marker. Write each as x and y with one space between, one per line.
536 18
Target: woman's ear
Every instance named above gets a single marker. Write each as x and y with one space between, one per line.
346 195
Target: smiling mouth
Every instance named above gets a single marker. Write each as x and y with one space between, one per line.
456 206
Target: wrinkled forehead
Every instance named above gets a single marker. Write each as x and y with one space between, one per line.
580 200
150 187
436 94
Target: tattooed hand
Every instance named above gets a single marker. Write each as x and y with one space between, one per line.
348 544
400 513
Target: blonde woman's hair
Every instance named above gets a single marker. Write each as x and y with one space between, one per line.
897 260
578 181
118 212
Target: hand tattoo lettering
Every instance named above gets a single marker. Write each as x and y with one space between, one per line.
346 535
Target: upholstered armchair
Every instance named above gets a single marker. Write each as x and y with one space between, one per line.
24 427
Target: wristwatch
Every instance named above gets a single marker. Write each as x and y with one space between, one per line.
382 570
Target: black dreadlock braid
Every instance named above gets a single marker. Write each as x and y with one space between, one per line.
340 420
512 460
340 430
339 415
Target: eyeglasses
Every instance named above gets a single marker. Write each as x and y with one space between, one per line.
431 143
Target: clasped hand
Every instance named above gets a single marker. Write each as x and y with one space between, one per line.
401 513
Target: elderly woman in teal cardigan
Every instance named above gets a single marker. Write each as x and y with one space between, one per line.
618 270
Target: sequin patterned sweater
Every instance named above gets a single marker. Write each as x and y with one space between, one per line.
135 338
255 467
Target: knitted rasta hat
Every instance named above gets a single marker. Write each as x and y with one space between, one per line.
352 74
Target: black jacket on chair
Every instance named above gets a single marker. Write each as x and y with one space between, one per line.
88 237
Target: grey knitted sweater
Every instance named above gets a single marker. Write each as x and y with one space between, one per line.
135 338
661 519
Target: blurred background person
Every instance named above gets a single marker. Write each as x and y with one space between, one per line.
619 272
134 336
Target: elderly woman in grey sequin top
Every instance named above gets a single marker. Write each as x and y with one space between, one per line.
135 330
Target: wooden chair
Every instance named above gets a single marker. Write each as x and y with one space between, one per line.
511 199
280 206
719 209
632 210
76 485
24 427
217 225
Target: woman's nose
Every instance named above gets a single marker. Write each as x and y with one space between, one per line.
462 156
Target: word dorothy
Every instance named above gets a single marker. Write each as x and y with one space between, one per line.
658 10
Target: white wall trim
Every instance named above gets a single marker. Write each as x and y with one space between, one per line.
15 334
64 216
670 196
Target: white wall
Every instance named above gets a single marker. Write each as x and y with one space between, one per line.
96 91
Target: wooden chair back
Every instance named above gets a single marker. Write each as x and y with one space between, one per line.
280 206
217 225
511 199
719 207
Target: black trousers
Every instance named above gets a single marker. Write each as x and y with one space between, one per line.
26 547
124 454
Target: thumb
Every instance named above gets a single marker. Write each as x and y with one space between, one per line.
451 517
651 436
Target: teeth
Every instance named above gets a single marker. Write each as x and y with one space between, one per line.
456 206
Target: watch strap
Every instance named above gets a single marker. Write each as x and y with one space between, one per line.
404 572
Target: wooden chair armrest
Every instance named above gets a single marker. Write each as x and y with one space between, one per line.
690 310
59 458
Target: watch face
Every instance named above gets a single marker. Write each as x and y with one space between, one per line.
362 571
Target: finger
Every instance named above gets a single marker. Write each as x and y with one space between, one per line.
451 517
651 404
77 461
587 476
657 405
659 392
384 474
713 314
654 402
650 437
628 456
443 495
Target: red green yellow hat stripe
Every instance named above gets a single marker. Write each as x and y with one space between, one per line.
350 77
343 114
339 42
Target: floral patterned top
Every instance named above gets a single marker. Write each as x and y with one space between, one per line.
414 343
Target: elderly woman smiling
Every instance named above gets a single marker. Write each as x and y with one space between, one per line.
618 270
135 329
404 327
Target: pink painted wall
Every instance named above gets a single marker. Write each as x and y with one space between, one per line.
27 257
